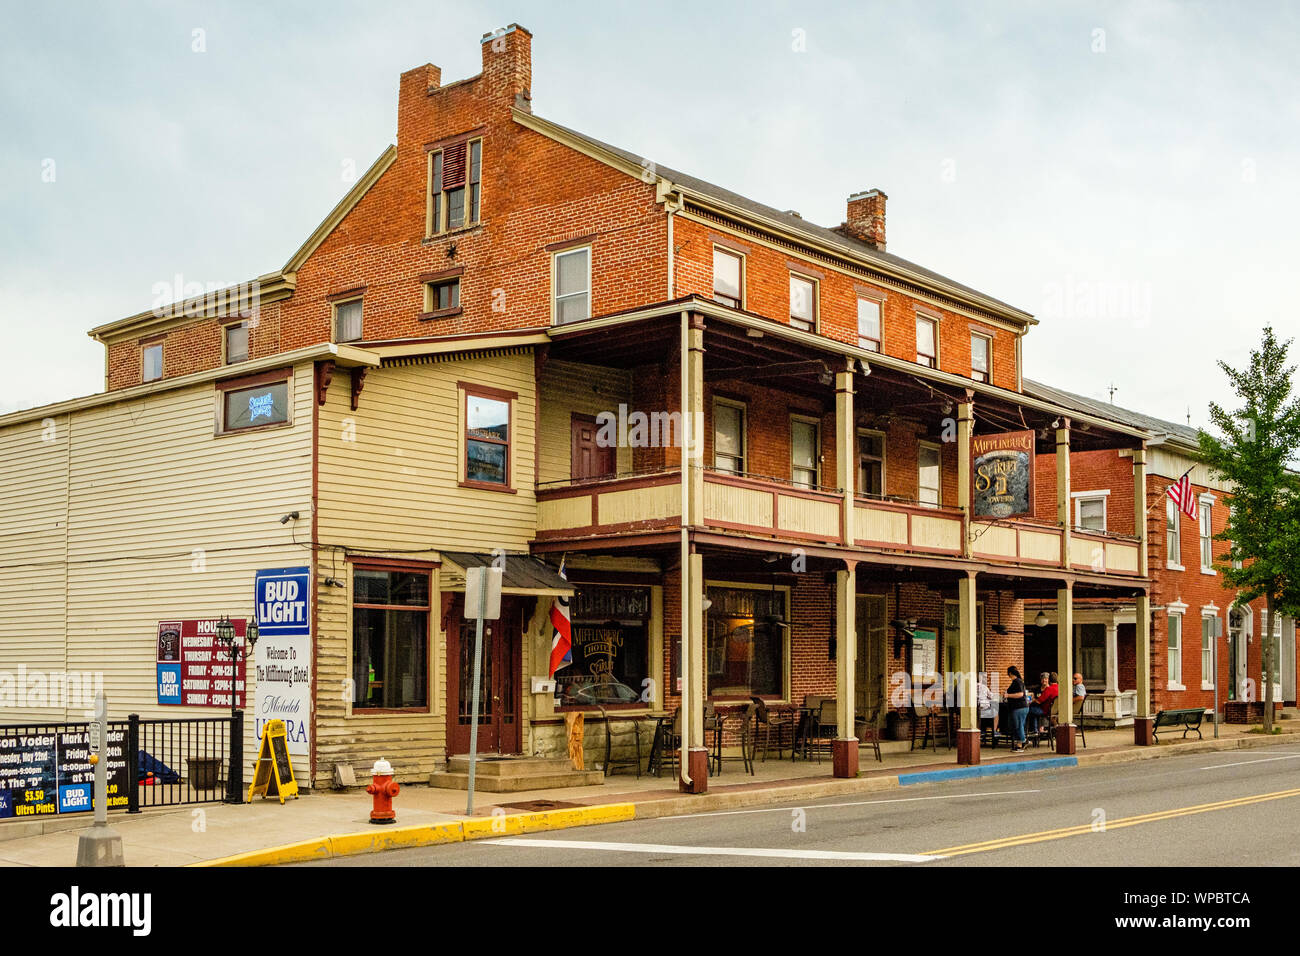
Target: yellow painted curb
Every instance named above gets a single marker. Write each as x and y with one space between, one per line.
479 828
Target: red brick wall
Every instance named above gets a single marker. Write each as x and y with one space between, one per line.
1089 471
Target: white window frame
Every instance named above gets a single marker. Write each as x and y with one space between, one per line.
1175 611
225 342
938 450
1209 612
744 444
865 342
1173 555
740 274
144 362
334 319
1206 542
817 457
555 282
1080 497
934 322
988 341
815 320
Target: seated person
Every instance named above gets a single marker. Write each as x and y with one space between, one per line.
1079 689
1039 709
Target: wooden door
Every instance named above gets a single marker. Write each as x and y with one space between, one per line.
500 694
869 681
589 459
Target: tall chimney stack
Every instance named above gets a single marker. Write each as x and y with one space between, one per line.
865 219
508 64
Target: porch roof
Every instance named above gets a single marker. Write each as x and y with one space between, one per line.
521 574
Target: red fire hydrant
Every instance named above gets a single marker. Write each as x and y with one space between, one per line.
383 789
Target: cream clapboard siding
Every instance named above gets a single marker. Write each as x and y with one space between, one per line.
388 484
33 542
568 387
164 520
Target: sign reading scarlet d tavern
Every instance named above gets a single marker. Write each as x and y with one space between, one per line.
1002 475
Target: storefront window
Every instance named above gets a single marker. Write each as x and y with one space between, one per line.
611 646
1090 656
390 638
746 632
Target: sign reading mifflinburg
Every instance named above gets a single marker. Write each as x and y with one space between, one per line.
1002 475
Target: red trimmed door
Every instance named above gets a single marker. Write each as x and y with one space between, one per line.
588 458
500 695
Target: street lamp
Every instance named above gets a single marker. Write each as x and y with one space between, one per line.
226 636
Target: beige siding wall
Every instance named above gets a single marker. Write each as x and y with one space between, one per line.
389 485
569 387
147 516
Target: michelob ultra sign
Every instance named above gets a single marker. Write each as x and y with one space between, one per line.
1002 475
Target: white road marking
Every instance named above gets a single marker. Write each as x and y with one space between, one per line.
669 849
855 803
1242 763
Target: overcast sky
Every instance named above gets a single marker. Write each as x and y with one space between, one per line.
1127 172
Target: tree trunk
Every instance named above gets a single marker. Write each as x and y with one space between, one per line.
1266 664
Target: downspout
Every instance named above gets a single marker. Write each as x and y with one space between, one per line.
673 203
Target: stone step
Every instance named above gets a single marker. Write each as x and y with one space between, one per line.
542 780
497 766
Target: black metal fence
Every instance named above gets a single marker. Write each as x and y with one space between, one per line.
151 762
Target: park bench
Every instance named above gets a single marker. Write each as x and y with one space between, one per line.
1188 718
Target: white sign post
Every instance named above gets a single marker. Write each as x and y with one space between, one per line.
482 602
100 845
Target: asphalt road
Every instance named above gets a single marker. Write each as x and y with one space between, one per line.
1237 808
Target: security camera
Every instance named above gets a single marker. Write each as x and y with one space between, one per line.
291 516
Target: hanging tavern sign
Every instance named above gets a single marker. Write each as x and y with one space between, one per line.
1002 475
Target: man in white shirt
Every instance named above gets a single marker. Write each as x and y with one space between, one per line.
1079 689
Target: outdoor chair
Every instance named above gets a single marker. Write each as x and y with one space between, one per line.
1078 720
1046 727
610 761
765 723
713 736
670 743
869 731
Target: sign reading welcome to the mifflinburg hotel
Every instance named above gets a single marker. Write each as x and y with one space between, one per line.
42 774
1002 474
194 668
283 656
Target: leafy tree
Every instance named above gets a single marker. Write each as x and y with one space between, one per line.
1259 440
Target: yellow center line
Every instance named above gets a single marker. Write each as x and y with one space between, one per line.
1085 828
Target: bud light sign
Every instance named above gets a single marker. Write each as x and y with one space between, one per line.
282 602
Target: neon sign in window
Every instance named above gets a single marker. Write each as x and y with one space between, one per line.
254 407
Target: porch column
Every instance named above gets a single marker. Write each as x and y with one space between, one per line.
968 735
844 457
1063 516
694 756
1110 699
1143 721
1064 667
844 749
965 426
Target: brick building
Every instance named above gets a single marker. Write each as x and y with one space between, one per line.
754 441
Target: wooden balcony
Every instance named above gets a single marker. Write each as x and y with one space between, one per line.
768 508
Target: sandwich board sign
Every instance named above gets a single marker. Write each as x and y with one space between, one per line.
274 774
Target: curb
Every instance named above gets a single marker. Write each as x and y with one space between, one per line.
479 828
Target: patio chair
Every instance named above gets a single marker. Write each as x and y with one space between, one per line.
1046 727
713 736
746 734
610 761
765 722
1078 720
669 744
827 726
869 731
807 728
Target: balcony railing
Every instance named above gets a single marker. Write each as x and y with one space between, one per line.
780 509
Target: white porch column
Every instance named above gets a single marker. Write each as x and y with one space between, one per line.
1110 699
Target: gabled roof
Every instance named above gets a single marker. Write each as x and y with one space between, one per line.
1182 434
783 220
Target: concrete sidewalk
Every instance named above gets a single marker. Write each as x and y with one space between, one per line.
324 823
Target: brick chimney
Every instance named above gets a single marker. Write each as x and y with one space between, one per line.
865 219
508 64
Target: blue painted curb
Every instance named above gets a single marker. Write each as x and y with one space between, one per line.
986 770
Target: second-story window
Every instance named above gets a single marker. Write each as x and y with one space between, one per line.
729 436
927 341
487 438
871 464
571 281
928 467
981 357
727 282
1207 536
152 362
868 323
347 321
1173 540
1090 512
236 343
455 174
803 303
805 453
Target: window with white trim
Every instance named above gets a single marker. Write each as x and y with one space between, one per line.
805 452
803 303
927 341
347 320
1173 537
1176 650
1090 510
728 436
928 460
152 362
869 323
728 282
981 357
1207 647
1207 535
571 281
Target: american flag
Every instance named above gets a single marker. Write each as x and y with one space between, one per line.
562 642
1181 492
